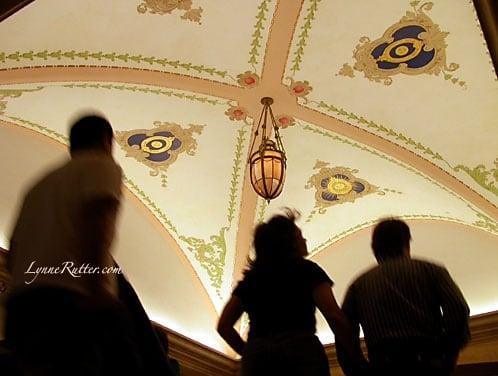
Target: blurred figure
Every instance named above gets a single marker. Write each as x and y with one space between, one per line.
173 364
63 316
414 317
4 282
280 292
7 366
149 346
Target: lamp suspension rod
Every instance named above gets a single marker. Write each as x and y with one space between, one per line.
264 137
256 133
280 145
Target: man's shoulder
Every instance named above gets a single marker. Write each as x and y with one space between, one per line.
92 162
308 264
425 264
47 179
365 275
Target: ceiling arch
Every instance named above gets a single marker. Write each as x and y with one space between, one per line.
419 144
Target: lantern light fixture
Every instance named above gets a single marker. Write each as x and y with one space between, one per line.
268 162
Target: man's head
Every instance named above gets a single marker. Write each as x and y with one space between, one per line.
91 132
391 239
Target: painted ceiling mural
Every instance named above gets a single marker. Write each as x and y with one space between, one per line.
394 114
414 46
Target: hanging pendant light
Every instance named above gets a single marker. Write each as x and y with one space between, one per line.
268 162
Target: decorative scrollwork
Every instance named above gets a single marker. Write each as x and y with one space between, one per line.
159 147
414 45
167 6
335 186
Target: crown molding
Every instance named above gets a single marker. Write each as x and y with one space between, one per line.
484 328
197 359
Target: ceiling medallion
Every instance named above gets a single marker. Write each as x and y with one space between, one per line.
414 45
337 185
159 147
268 162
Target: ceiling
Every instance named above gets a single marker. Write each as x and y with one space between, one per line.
386 108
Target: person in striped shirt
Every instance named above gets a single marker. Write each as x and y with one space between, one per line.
413 315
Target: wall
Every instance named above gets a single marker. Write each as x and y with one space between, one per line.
196 359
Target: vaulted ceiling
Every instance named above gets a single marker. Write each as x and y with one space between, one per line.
386 108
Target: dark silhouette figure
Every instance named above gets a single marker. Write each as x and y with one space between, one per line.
173 364
149 346
280 292
414 317
62 318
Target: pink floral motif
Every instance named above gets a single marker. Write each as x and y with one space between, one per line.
300 88
236 113
248 79
284 121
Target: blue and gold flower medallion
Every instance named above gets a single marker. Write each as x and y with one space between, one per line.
414 45
159 147
337 185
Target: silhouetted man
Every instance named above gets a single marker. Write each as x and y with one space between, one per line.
63 315
414 317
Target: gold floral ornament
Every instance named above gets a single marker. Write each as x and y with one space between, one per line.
12 93
414 45
284 121
248 79
159 148
167 6
486 178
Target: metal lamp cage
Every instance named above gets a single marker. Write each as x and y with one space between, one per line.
268 163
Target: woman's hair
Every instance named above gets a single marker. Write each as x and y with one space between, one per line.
275 241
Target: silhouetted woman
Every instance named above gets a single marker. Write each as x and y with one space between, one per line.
280 292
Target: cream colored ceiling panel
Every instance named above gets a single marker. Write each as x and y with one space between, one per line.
468 253
341 186
415 73
166 283
208 39
415 140
164 280
20 169
182 156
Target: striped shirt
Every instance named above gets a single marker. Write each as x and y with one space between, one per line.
403 299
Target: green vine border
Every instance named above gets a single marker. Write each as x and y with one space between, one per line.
39 128
112 57
303 36
354 144
13 93
147 90
263 205
381 129
479 173
236 171
317 249
257 35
